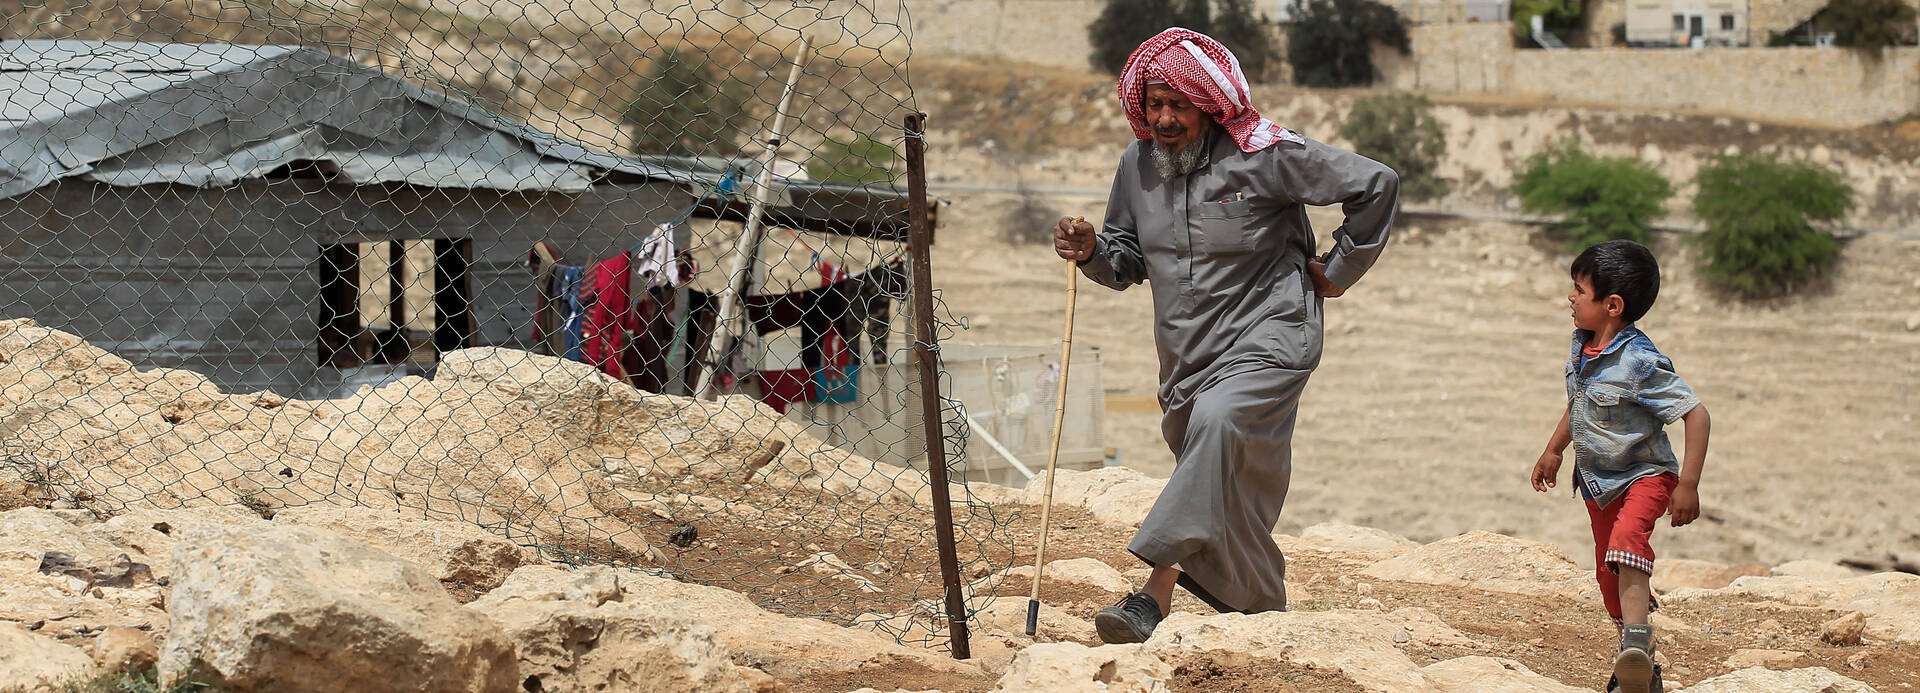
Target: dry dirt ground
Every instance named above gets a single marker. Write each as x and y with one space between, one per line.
1566 641
1442 379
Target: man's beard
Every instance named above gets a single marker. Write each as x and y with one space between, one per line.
1183 162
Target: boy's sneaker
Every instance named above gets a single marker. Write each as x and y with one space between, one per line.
1633 668
1132 620
1613 683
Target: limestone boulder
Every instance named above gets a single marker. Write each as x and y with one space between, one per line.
1845 630
1079 573
452 551
788 648
1484 560
1745 658
1808 680
571 632
1890 602
1814 570
1670 574
301 609
1115 495
1009 615
32 662
1348 541
1362 645
1075 668
124 651
1489 675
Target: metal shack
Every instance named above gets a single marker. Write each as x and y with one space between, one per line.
234 209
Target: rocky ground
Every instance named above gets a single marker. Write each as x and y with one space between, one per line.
328 594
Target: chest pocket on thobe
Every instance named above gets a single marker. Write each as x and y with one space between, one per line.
1226 228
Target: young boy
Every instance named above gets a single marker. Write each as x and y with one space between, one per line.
1621 393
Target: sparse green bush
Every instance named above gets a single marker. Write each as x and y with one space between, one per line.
1399 130
1759 212
861 160
1601 198
684 109
1330 42
1869 25
1124 24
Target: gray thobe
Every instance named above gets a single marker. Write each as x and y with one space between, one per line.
1238 329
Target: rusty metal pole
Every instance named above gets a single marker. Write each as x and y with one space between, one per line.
919 246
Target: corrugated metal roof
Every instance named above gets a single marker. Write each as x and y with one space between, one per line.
125 113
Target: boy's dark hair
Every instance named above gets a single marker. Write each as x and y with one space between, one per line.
1621 267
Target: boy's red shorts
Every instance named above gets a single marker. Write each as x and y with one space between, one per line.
1623 532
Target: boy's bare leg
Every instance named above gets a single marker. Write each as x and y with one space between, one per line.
1160 587
1636 592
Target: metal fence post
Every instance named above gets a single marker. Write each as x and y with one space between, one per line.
924 352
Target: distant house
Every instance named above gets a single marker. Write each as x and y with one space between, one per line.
281 218
1687 23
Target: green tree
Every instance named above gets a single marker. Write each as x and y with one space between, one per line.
1399 130
1558 16
1869 25
1246 35
1124 24
1330 42
860 159
684 109
1760 213
1600 198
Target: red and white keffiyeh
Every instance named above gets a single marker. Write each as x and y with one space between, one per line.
1207 74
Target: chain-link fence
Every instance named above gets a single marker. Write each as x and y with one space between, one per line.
627 283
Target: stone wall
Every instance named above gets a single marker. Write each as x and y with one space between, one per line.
1830 86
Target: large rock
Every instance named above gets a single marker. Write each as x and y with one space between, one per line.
1009 615
61 568
1075 668
788 648
301 609
1348 541
1889 601
1484 560
1358 644
1115 495
1815 570
125 651
1489 675
1083 573
1670 574
1808 680
572 633
34 663
452 551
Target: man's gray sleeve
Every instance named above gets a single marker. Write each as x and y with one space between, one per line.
1116 262
1367 191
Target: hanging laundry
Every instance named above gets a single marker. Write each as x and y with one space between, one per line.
607 316
549 306
836 380
783 379
567 284
657 262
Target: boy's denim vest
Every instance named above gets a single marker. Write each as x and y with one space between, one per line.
1620 403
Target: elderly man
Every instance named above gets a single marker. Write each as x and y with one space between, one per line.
1210 206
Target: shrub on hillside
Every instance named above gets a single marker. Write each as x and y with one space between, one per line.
684 109
1399 130
860 160
1561 17
1124 24
1330 42
1599 198
1760 213
1869 25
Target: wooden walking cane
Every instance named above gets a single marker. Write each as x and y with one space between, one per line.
1053 455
